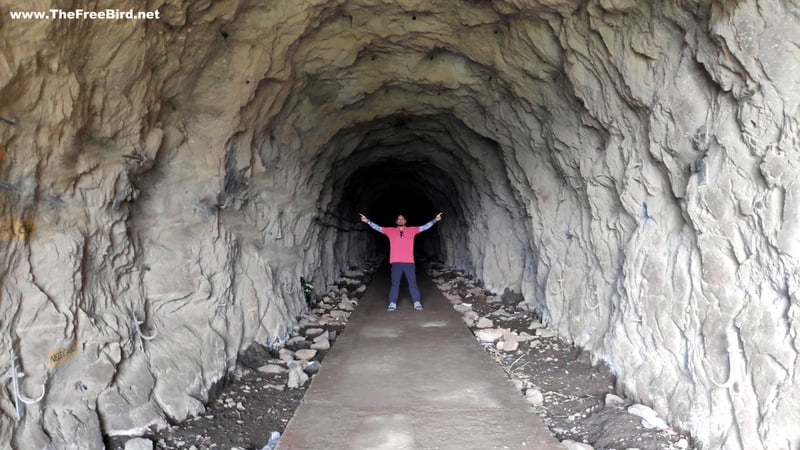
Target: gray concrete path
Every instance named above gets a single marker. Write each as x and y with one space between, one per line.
412 380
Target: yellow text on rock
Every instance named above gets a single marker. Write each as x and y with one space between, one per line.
62 354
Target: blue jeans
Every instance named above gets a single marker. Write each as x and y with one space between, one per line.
410 271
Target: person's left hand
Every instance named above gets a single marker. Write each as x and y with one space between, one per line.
438 217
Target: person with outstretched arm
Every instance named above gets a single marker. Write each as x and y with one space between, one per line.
401 256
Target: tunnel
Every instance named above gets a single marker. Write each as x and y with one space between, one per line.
629 168
412 166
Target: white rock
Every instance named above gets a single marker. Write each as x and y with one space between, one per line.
297 378
544 332
534 397
489 334
612 399
462 307
139 444
484 322
286 355
322 344
306 354
314 332
271 369
523 336
649 417
569 444
510 343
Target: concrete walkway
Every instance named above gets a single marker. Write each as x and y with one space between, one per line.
412 380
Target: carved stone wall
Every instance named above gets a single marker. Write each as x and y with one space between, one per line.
630 167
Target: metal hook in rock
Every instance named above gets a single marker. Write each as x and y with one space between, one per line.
137 325
734 365
19 396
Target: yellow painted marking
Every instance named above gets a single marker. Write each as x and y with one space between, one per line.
62 354
15 229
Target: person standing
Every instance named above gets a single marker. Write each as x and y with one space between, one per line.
401 256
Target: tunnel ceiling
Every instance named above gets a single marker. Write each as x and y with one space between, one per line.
387 158
629 168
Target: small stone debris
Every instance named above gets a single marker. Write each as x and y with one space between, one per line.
569 444
509 329
139 444
484 322
649 417
534 397
268 369
279 369
297 378
614 400
314 332
489 335
321 343
305 354
512 334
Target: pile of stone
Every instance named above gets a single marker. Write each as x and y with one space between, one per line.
288 361
489 328
492 329
299 352
509 330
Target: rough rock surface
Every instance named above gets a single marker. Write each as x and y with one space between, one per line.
629 168
570 394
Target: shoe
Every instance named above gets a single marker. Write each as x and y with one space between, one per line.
392 307
418 306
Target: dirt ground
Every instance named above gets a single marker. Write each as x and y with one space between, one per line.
576 403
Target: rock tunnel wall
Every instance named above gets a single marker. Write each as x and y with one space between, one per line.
630 168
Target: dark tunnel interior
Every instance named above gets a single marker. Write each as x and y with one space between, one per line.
391 187
417 166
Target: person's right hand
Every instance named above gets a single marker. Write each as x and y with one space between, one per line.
364 218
